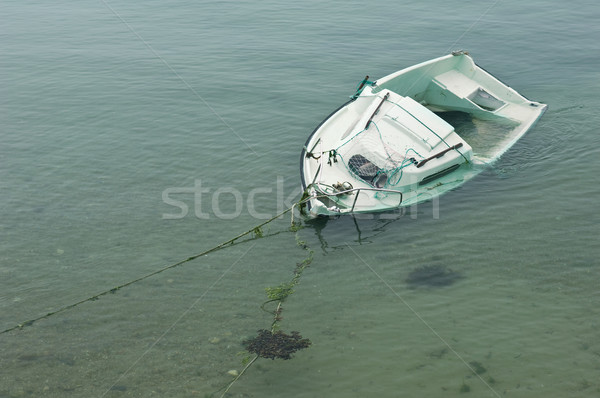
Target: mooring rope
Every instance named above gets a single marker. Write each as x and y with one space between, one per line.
277 294
131 282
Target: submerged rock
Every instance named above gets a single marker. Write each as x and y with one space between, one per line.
432 276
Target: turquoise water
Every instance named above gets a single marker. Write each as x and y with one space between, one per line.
113 114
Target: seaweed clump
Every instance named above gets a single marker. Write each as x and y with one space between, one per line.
432 276
276 344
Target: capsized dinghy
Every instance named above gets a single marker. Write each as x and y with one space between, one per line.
411 136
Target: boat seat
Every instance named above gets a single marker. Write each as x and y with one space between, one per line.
457 83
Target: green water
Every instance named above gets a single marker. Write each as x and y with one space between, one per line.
109 108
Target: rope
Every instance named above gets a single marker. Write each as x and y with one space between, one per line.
239 375
279 294
361 86
116 288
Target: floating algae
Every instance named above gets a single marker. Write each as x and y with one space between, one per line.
432 276
276 344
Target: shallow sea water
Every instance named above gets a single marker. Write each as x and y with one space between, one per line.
106 107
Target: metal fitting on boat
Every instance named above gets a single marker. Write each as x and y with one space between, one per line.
342 187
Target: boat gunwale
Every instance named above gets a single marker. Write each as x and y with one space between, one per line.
393 75
310 137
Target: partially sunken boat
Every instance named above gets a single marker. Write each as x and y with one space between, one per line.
411 136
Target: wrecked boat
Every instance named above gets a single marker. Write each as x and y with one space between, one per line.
411 136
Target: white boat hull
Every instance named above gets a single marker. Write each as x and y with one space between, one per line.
389 146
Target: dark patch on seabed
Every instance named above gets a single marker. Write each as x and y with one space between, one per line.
477 367
432 276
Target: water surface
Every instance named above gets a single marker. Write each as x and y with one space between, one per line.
105 106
